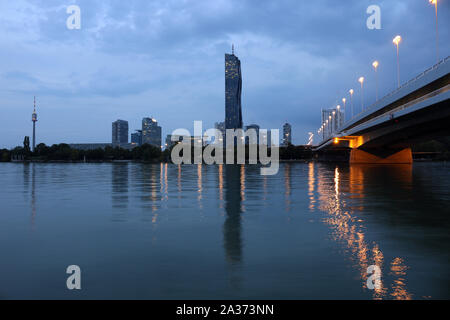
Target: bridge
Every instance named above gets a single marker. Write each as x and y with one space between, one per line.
417 111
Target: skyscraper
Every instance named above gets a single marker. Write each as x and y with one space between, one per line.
136 138
119 132
151 132
256 128
34 119
233 92
287 134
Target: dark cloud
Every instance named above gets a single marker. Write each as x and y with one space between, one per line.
165 58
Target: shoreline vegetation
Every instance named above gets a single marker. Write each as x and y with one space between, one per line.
430 151
145 153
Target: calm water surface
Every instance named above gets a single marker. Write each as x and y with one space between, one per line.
141 231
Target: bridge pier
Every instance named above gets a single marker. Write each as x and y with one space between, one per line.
403 156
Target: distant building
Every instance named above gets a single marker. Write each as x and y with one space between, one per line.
151 132
170 143
254 127
119 132
221 127
89 146
233 92
266 136
287 134
136 138
94 146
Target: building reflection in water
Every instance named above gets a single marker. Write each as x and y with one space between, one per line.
119 185
232 228
287 187
349 230
27 167
179 186
200 185
149 186
233 208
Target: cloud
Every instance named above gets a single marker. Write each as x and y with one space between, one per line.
166 58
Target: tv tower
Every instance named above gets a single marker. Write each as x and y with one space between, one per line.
34 119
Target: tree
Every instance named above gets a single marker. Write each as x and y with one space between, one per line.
26 144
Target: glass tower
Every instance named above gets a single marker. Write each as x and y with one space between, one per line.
119 132
287 134
233 91
151 132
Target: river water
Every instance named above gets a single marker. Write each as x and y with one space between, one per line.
161 231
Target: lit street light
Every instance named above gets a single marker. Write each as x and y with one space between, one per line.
351 98
437 32
330 126
344 101
361 80
397 41
333 124
375 65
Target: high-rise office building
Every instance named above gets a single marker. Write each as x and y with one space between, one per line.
254 127
233 92
136 138
287 134
266 137
151 132
220 126
119 132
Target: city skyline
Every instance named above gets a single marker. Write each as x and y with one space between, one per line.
309 69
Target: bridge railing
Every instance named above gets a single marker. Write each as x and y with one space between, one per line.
421 75
409 104
369 109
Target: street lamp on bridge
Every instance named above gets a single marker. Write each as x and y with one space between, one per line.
351 98
361 80
437 32
397 41
375 65
333 123
344 101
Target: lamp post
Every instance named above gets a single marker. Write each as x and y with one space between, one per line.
351 98
338 117
375 65
333 123
437 31
330 125
397 41
344 101
361 80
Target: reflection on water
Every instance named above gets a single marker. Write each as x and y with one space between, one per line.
226 231
349 230
232 237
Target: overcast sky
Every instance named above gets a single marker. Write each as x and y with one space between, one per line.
132 59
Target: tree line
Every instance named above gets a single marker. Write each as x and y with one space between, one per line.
63 152
146 152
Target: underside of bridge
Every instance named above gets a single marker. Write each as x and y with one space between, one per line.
391 141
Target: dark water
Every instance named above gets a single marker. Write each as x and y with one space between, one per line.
163 231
